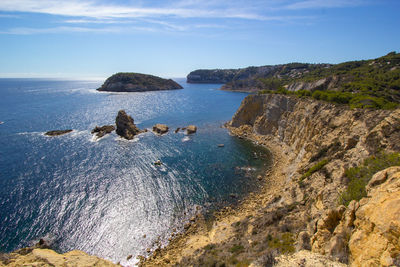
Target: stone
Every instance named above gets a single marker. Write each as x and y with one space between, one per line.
303 241
376 237
160 128
103 130
191 129
177 130
126 127
58 132
48 257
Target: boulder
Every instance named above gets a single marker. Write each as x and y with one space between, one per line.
191 129
103 130
125 125
160 128
376 238
57 132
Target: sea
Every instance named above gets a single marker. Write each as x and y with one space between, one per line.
106 196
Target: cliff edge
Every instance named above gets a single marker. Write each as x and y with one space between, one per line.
300 207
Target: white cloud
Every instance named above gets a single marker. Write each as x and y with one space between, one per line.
93 9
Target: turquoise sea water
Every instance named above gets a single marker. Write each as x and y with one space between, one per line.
102 196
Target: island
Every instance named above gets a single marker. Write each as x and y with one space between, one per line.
137 82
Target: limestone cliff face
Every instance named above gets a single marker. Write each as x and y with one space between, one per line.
302 127
375 240
307 131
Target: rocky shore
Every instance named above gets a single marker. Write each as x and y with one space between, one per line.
298 212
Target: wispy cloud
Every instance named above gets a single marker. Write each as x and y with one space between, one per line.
170 15
93 9
313 4
29 31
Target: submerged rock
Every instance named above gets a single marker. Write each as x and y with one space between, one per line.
177 130
160 128
103 130
58 132
126 127
191 129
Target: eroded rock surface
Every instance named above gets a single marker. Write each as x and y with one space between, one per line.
191 129
103 130
48 257
160 128
375 240
126 127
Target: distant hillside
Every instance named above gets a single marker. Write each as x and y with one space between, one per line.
371 83
137 82
248 78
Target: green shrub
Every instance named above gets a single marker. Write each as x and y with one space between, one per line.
236 249
360 176
313 169
284 243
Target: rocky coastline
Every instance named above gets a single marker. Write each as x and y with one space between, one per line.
296 218
296 214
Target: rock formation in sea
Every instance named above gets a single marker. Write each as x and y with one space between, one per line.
126 127
58 132
160 128
300 210
137 82
191 129
103 130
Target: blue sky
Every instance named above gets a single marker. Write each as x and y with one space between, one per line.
96 38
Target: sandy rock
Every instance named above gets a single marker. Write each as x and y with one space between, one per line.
48 257
303 241
376 239
306 258
191 129
160 128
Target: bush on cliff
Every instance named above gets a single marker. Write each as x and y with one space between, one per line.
359 176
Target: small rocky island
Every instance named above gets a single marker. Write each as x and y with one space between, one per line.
137 82
58 132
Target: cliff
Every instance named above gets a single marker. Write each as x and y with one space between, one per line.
373 83
299 208
250 78
137 82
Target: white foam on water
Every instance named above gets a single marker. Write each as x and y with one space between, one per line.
185 139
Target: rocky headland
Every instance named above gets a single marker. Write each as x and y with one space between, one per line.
299 216
137 82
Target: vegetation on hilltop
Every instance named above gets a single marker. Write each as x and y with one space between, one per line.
361 84
137 82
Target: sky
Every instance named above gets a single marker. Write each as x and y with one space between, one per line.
90 39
